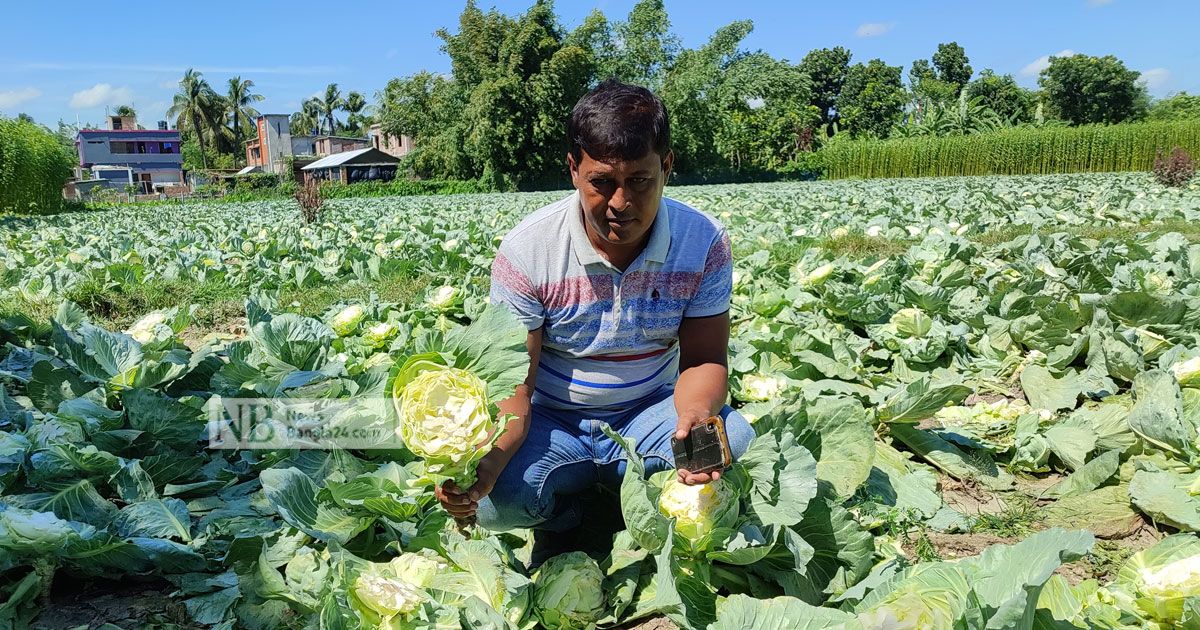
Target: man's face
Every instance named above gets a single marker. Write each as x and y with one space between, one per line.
620 198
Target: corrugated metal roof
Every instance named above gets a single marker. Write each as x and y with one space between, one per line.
337 159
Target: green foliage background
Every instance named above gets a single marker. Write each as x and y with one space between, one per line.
33 168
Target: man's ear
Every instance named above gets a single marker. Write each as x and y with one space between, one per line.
573 167
667 163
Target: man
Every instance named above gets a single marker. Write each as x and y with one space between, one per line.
626 297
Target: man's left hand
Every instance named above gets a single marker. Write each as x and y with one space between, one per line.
682 427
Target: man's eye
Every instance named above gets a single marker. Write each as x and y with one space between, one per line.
638 181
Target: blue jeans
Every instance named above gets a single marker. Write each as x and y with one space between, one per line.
566 453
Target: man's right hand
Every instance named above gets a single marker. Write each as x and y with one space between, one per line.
456 500
462 504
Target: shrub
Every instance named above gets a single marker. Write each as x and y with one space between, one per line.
1176 169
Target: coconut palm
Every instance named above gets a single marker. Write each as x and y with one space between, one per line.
125 110
354 105
308 118
193 108
332 102
238 98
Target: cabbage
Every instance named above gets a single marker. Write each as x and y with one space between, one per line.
347 320
1160 579
418 568
444 419
569 592
445 298
1187 372
27 531
816 277
760 387
388 597
699 509
148 328
908 611
378 335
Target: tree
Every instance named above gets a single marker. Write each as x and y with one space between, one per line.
1181 106
872 99
942 80
646 45
1082 89
193 107
331 104
308 119
767 116
952 65
23 117
356 120
826 69
238 99
125 110
1001 94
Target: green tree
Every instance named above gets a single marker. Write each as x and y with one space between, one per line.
125 110
355 119
872 99
1082 89
23 117
239 97
194 108
1181 106
826 69
943 79
768 119
647 47
330 105
692 94
307 121
952 65
1001 94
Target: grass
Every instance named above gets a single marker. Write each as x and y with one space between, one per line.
1107 557
1019 517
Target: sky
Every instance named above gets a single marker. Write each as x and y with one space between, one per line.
70 60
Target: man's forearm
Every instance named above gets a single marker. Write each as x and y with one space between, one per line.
701 389
510 441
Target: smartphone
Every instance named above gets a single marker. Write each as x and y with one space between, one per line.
705 449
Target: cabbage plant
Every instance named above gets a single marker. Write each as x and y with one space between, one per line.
699 509
569 592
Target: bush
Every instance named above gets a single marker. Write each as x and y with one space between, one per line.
310 199
1176 169
33 168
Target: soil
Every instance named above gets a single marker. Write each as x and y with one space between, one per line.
969 498
88 604
954 546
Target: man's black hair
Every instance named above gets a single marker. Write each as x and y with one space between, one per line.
619 121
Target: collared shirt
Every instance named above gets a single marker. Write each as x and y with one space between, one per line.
610 337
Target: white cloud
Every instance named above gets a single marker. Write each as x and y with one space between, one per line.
101 94
1098 3
14 98
873 29
1035 67
169 85
1155 79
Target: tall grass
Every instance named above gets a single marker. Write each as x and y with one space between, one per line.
1092 148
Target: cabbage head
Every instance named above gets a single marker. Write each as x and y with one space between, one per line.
347 320
699 509
378 335
387 597
1160 579
444 418
445 298
1187 372
761 387
569 592
27 531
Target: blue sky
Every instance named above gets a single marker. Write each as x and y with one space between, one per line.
71 59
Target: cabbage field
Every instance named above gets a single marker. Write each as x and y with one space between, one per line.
977 403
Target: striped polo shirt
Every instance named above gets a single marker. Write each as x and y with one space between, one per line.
610 338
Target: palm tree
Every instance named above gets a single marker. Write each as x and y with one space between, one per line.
125 110
332 102
355 104
193 108
238 99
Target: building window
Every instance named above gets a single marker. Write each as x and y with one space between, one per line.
141 147
116 124
166 147
119 147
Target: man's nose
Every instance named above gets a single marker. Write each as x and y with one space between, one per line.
619 201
